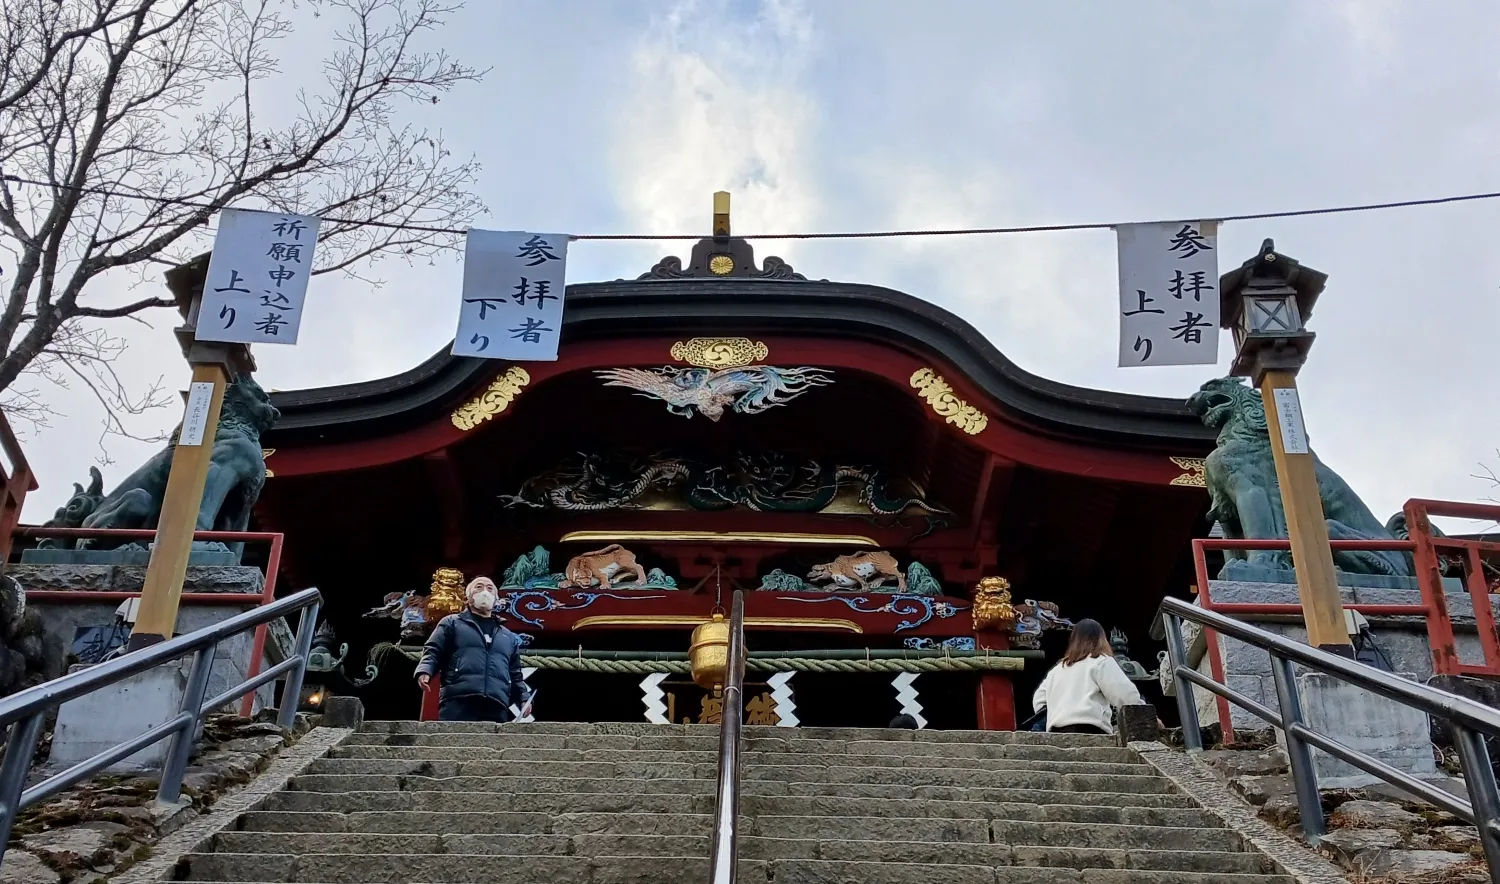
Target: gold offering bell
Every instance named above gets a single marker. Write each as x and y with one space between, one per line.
709 652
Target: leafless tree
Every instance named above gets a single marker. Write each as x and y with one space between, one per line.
125 125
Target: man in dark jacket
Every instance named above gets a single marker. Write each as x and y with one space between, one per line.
477 660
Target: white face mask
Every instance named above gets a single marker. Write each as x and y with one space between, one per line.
483 601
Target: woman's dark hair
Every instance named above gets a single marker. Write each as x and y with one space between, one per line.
905 721
1088 640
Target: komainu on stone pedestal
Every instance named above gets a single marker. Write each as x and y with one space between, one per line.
236 474
1246 497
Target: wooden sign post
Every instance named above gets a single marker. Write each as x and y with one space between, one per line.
213 366
1306 526
255 289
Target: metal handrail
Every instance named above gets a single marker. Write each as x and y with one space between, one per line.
724 860
24 712
1469 721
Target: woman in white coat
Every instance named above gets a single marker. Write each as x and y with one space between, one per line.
1082 690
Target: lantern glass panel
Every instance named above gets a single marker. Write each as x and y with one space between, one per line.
1270 315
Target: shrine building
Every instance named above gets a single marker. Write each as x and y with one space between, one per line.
855 458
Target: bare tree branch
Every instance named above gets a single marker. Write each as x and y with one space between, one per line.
144 118
127 310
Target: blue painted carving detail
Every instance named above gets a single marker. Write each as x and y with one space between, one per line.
917 609
521 604
957 643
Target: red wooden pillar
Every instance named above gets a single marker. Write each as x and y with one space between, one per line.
430 701
995 696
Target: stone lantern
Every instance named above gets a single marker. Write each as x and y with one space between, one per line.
1266 304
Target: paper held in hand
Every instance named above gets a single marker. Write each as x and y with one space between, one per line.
1169 293
515 711
257 278
512 300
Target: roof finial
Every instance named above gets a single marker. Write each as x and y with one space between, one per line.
721 215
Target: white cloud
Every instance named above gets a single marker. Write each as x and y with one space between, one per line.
715 102
1030 294
1371 27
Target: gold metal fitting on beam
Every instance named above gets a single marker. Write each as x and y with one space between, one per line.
495 399
716 537
721 215
939 395
1195 477
720 352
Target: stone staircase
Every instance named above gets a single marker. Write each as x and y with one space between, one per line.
614 803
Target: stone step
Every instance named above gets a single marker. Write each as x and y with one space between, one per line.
712 731
660 869
787 742
374 782
754 848
1090 779
494 823
1066 764
1103 836
1022 777
619 802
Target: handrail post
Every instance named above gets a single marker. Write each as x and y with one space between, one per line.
724 860
18 751
291 692
1187 704
1298 753
176 764
1479 776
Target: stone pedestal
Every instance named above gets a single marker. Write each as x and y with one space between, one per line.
1137 724
240 586
1384 729
1403 640
346 712
100 721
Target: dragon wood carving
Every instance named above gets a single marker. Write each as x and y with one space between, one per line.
761 483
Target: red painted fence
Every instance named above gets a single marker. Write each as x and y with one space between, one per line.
1426 548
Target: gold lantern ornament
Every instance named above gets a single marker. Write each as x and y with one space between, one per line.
708 654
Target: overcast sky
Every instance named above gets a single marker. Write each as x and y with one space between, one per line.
861 114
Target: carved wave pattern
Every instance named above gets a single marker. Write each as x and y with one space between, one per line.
918 609
522 604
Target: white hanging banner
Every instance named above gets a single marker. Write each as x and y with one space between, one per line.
257 277
1169 293
513 291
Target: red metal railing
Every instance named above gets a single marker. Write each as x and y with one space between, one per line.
267 595
1433 608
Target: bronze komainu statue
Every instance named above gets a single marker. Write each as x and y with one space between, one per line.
1245 496
236 474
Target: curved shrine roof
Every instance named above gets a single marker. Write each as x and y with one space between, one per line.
671 300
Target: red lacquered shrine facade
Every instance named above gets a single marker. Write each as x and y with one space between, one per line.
855 458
